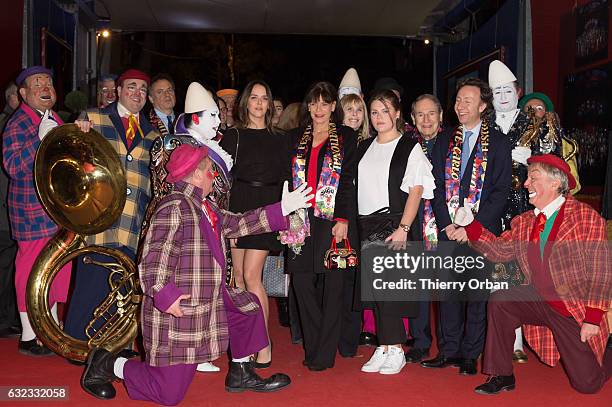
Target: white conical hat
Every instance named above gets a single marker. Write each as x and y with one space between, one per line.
198 99
499 74
350 80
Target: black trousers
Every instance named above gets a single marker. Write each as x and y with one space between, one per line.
509 309
320 303
389 328
8 302
90 289
462 328
351 320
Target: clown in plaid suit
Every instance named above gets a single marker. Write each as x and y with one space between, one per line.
561 247
132 142
31 227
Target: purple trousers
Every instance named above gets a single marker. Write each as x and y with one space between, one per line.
168 385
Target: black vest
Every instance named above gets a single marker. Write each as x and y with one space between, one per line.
397 169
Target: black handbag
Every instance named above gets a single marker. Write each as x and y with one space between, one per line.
378 225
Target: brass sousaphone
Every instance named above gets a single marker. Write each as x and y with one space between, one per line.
82 186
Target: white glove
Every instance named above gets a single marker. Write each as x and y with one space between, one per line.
521 154
464 215
46 125
296 199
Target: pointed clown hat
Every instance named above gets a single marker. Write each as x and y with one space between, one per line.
350 84
198 99
499 74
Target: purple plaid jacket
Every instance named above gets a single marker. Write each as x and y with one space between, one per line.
29 221
182 255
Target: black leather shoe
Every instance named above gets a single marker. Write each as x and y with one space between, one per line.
98 375
32 348
441 361
315 368
415 355
468 367
241 377
368 339
495 384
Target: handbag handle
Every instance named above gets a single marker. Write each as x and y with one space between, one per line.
347 244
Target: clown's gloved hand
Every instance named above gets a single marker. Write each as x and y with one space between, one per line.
521 154
46 125
296 199
464 215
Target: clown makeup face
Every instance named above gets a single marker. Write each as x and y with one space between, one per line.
107 93
542 188
505 97
38 92
538 106
133 94
205 125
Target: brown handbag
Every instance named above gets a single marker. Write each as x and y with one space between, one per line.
340 258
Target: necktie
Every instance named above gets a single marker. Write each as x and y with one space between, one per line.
169 125
538 227
210 215
133 126
465 151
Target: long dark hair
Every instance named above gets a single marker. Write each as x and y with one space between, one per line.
388 98
242 121
320 90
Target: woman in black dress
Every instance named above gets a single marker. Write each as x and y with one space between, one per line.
324 157
261 164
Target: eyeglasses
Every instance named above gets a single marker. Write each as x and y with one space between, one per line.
108 90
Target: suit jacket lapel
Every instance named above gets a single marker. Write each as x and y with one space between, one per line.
213 241
113 113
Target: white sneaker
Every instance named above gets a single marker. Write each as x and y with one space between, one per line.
395 361
207 367
376 361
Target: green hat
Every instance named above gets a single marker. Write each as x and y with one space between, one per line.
537 95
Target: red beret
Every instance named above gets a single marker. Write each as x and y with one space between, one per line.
556 162
133 74
183 161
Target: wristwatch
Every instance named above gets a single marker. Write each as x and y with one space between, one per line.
405 228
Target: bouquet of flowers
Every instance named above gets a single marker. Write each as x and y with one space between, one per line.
298 231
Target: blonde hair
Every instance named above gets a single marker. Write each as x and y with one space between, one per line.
364 130
290 118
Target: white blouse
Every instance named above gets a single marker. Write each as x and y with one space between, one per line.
373 181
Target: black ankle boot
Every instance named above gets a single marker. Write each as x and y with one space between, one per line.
242 376
283 312
99 374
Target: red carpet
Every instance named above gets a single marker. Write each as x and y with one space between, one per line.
345 385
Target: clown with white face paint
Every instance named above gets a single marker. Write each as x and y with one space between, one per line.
198 126
515 123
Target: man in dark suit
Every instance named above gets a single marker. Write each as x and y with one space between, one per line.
471 162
